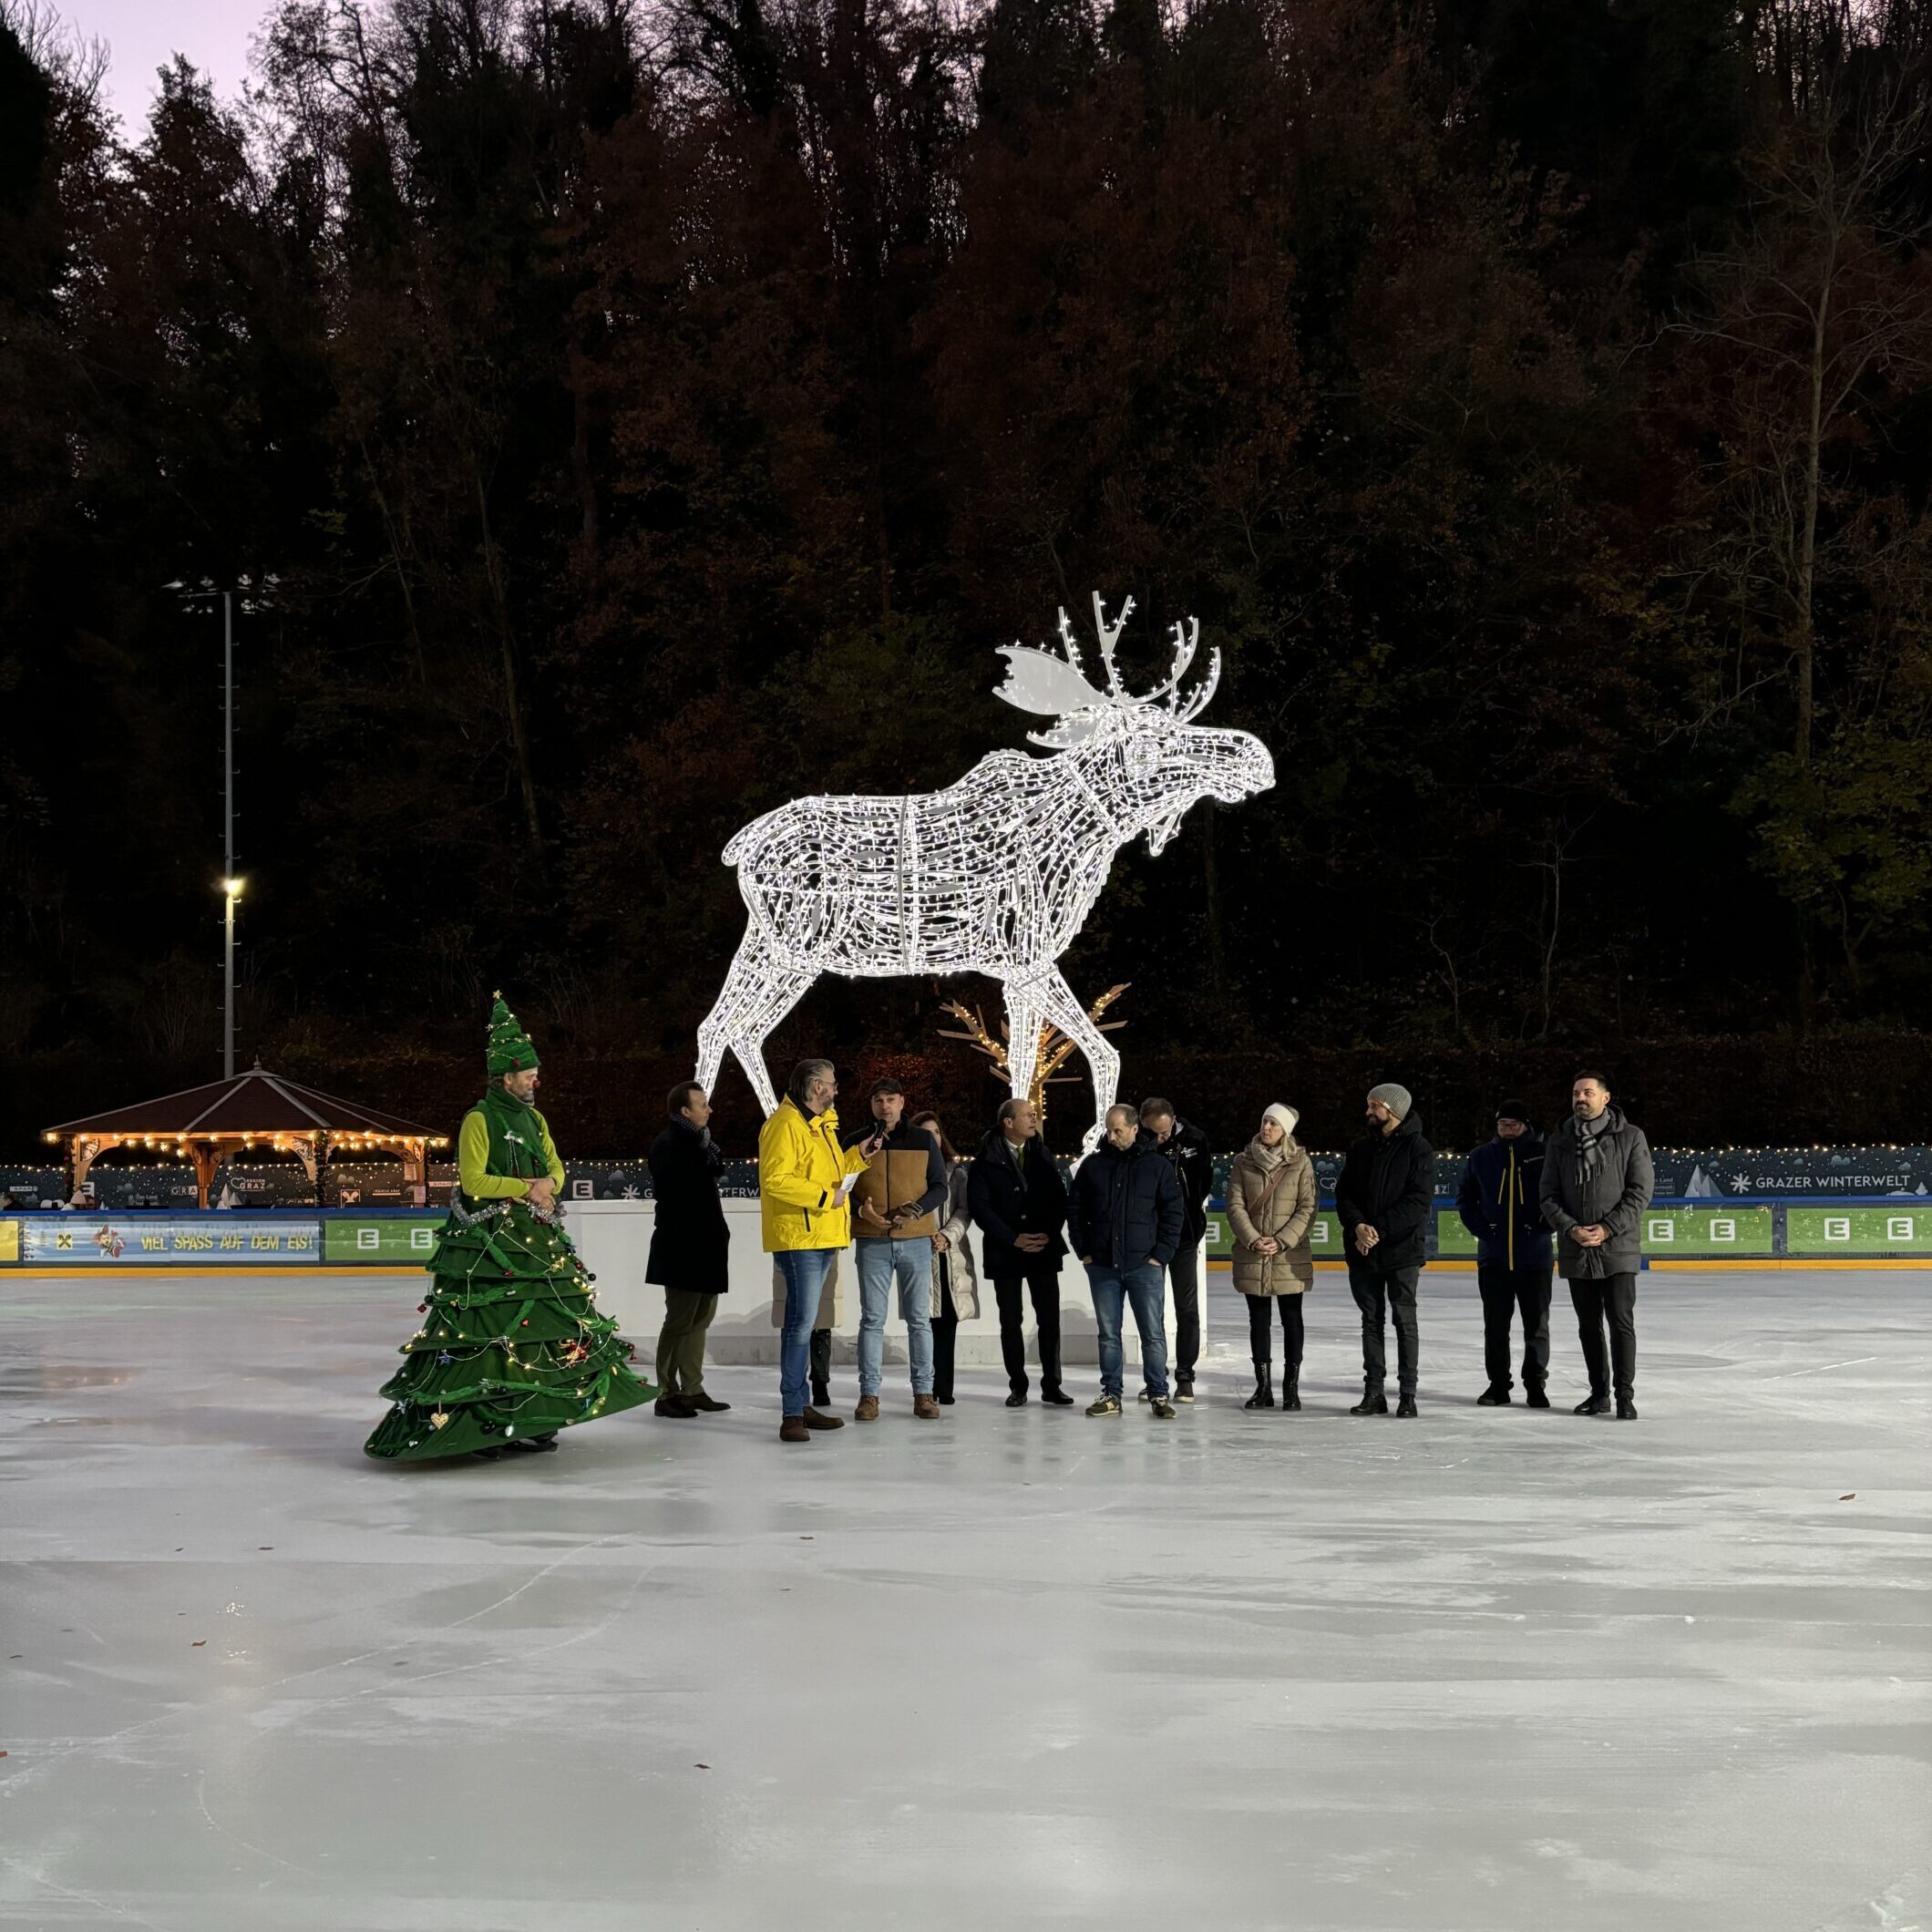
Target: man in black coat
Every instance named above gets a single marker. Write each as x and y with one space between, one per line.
1597 1179
1501 1205
1124 1218
690 1246
1018 1203
1383 1197
1186 1150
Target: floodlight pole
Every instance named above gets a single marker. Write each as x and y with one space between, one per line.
229 884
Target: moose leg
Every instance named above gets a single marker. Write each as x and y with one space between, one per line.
1059 1005
758 993
1023 1013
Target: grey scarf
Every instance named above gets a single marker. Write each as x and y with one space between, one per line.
1592 1138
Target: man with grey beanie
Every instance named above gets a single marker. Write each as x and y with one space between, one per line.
1383 1197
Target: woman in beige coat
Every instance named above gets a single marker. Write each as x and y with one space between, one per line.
955 1283
1270 1209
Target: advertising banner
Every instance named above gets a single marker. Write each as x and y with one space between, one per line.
1720 1233
387 1241
1905 1229
9 1241
93 1240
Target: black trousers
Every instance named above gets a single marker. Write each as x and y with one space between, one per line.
1044 1284
1615 1297
1184 1275
945 1344
1260 1334
1379 1297
1506 1291
821 1362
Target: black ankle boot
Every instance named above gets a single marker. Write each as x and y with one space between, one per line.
1264 1394
1373 1402
1291 1386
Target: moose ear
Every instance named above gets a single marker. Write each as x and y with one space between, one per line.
1042 685
1066 733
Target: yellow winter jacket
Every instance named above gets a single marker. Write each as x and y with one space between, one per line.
800 1166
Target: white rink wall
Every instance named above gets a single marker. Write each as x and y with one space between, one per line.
614 1238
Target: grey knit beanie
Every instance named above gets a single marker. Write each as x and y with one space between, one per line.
1284 1117
1395 1098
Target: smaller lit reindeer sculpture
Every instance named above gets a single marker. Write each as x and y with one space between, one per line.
995 875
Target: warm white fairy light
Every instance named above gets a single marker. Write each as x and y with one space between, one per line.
996 874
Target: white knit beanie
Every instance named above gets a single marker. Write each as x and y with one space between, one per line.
1285 1117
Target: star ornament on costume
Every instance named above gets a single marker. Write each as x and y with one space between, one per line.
995 875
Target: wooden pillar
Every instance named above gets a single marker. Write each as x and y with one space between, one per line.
207 1157
83 1151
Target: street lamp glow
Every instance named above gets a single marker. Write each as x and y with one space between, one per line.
232 887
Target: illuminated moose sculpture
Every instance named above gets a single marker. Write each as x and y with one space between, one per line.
995 875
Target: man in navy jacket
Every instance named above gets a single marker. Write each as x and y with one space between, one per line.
1499 1204
1125 1218
1018 1202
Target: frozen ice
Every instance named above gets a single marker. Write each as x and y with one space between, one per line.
1490 1669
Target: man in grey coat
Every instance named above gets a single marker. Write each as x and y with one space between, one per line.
1596 1182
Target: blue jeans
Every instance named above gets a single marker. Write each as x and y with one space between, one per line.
1141 1285
911 1262
805 1269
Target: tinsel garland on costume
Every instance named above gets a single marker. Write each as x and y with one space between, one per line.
511 1345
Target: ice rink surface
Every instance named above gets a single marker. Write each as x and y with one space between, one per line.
1486 1670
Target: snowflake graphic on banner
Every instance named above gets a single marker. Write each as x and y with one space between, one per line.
995 875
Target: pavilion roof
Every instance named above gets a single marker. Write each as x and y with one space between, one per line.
255 1103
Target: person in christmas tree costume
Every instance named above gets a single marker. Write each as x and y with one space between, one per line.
512 1347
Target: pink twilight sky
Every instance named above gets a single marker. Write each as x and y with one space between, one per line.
145 34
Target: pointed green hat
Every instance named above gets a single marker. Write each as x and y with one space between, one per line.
510 1049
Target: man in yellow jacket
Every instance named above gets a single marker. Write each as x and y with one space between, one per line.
805 1187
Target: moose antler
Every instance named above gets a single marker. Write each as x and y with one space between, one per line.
1109 636
1054 686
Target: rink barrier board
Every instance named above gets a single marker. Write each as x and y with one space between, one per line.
403 1239
1713 1176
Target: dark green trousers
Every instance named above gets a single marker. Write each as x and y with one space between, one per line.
680 1341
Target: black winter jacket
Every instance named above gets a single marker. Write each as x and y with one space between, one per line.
1126 1206
1005 1203
1188 1152
690 1241
1501 1202
1389 1181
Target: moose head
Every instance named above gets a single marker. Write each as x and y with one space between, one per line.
1155 759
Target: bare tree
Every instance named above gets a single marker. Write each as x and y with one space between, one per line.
1823 310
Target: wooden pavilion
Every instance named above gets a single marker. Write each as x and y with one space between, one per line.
254 1111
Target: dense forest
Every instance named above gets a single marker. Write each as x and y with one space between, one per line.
627 414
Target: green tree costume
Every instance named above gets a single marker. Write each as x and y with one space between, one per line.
512 1348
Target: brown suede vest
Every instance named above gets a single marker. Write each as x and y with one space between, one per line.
890 1179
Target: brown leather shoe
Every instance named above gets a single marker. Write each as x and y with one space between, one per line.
704 1405
926 1407
819 1419
793 1430
674 1405
868 1410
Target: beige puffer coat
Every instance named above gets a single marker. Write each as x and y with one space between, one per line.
954 1268
1287 1213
